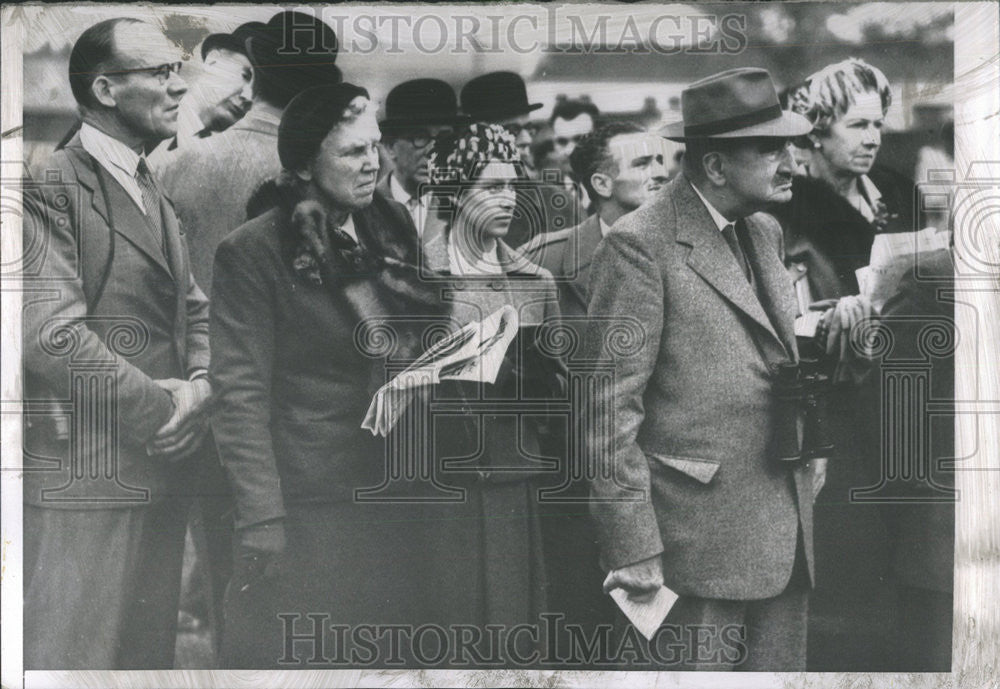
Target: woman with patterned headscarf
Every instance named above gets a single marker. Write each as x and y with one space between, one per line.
487 554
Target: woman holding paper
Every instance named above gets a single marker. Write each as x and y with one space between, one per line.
488 554
830 225
291 288
844 200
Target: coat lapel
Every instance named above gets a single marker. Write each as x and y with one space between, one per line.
712 259
86 174
776 291
128 221
172 239
579 255
524 297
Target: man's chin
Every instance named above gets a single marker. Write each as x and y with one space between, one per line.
782 195
165 133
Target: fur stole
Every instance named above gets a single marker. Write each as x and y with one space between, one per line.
380 281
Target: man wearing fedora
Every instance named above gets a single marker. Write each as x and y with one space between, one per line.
502 98
416 113
691 490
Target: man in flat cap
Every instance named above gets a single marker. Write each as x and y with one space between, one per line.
416 113
692 490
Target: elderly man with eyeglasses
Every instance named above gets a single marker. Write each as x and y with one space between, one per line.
416 113
104 518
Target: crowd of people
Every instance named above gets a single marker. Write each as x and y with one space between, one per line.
250 226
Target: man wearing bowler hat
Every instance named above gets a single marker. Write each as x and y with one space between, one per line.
416 113
211 182
691 491
502 98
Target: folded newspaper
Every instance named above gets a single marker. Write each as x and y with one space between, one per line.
473 353
892 257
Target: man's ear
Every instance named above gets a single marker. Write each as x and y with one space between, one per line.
305 174
602 184
100 89
714 165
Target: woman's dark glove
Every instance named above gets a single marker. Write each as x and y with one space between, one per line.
258 556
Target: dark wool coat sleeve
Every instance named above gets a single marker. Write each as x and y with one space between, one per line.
242 333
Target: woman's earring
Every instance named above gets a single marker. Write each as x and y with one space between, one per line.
817 145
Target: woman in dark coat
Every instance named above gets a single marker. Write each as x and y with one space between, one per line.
844 199
290 288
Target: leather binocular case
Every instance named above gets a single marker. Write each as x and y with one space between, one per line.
802 430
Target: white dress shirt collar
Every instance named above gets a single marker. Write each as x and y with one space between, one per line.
348 227
399 193
718 218
416 206
605 228
114 156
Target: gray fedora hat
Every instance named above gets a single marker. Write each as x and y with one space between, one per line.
734 104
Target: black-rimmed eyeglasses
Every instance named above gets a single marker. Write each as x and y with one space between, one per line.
161 72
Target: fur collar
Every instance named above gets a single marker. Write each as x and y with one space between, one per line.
379 278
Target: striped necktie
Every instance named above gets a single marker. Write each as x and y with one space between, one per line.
151 200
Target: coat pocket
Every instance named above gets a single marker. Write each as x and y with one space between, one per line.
701 470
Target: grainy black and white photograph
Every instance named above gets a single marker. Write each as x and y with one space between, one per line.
555 344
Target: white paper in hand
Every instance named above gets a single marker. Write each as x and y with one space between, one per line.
807 323
473 353
894 255
646 616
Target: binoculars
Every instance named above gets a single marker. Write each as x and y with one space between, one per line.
803 429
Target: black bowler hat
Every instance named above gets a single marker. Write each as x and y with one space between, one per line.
421 102
737 103
496 96
295 46
235 41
